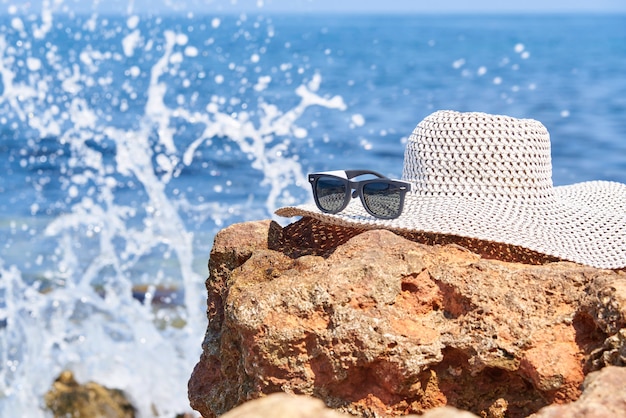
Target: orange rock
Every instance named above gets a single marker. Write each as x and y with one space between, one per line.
375 324
604 396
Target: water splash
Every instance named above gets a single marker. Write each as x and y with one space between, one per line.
111 125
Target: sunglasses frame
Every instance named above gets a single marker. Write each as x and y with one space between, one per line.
355 188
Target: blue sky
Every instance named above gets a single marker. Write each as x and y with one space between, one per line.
325 6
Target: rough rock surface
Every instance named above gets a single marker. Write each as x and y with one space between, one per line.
282 405
374 324
604 396
68 398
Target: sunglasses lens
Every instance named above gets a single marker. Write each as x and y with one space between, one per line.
383 199
331 194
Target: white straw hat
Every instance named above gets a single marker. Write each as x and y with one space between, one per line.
489 177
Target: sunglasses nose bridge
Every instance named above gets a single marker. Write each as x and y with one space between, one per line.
355 193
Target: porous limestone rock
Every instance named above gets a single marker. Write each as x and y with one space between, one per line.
374 324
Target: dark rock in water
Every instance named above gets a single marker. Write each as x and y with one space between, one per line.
375 324
159 296
68 398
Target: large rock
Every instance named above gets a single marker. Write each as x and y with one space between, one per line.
375 324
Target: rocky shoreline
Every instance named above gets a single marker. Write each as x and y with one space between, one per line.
374 324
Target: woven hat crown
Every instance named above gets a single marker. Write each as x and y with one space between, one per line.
479 155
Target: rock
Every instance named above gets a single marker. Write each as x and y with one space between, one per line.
445 412
606 303
282 405
374 324
67 398
604 396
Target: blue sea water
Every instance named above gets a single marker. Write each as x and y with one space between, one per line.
128 141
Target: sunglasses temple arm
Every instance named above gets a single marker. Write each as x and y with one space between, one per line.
350 174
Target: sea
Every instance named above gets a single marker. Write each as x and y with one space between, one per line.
128 140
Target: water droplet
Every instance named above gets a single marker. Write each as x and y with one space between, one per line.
33 64
358 120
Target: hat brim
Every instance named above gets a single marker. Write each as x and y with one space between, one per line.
584 222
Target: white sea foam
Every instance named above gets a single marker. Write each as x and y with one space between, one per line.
100 243
132 22
130 42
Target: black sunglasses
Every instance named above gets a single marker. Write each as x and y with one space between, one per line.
382 197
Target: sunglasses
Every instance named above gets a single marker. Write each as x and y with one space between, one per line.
381 197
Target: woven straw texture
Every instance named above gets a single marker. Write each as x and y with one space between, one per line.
489 177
